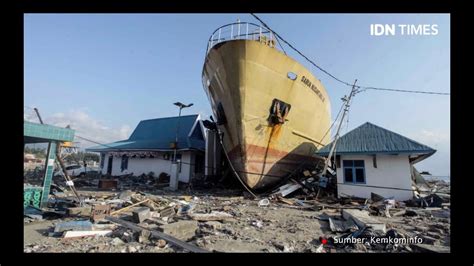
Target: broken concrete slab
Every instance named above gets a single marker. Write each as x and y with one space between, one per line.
362 219
183 230
74 226
141 214
342 226
167 212
125 195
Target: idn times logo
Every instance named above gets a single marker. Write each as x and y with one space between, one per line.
404 29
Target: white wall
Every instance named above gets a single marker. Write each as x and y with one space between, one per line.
187 170
392 171
139 166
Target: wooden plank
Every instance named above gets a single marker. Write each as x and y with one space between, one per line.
287 201
158 234
128 207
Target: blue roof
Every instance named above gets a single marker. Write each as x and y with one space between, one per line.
157 134
371 139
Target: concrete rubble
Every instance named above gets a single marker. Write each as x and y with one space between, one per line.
146 217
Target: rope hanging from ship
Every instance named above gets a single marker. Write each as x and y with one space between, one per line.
220 134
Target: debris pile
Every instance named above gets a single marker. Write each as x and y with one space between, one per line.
301 216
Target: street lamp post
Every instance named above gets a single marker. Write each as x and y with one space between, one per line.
174 166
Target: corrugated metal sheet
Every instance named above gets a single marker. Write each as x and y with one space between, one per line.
34 132
157 134
369 139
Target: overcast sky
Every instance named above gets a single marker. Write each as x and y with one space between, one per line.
103 73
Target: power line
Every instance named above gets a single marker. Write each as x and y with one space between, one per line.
300 53
410 91
334 77
105 145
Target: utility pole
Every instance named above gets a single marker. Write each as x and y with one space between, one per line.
174 178
346 110
176 138
61 163
38 114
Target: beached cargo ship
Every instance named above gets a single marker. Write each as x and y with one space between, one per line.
273 113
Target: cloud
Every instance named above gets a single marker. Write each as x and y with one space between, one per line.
125 131
85 126
435 138
440 162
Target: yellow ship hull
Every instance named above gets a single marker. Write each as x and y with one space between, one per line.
242 79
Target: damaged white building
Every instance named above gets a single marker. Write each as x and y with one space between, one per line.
150 148
373 159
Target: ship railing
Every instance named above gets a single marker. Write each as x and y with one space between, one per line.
242 31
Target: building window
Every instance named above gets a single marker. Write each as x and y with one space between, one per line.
354 171
124 164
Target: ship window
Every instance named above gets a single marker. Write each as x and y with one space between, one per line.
292 75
